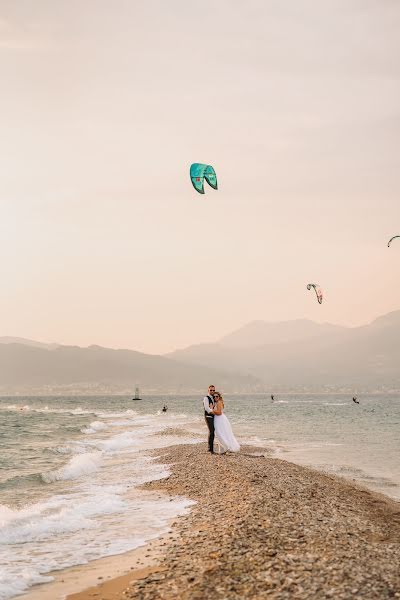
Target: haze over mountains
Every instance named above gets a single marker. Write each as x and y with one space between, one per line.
25 368
305 355
298 355
258 333
26 342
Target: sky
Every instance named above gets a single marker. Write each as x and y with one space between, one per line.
104 106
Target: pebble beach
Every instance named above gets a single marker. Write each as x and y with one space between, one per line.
267 528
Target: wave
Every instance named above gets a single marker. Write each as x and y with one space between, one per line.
33 524
94 427
57 515
74 448
12 585
121 441
82 464
115 415
70 530
46 409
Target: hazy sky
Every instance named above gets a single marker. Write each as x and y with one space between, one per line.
104 105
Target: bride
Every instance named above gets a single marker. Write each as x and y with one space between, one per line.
222 426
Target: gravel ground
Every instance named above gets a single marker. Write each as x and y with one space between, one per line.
266 528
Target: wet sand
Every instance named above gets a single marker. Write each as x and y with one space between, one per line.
108 573
267 528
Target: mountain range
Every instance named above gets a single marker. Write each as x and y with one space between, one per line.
298 355
26 368
305 355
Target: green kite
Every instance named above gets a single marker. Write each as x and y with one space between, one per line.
199 172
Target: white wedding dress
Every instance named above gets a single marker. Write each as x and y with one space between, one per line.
224 433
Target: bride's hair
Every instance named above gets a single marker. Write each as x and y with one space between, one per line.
220 398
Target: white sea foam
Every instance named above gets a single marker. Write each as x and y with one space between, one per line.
47 409
80 411
39 522
6 514
72 448
122 423
76 527
64 411
71 530
12 584
115 415
14 408
94 427
82 464
117 442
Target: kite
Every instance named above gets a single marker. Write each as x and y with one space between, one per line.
391 239
199 172
317 290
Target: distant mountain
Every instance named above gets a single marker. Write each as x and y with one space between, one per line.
391 319
29 369
25 342
258 333
308 355
293 355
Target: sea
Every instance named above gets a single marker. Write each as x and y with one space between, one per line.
71 467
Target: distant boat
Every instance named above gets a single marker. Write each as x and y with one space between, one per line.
137 396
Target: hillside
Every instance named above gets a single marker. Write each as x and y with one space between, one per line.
336 357
25 368
25 342
293 355
258 333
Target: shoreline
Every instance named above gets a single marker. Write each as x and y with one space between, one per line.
263 527
97 573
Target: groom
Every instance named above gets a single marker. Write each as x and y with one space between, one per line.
208 402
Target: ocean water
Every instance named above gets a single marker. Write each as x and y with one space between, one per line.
70 467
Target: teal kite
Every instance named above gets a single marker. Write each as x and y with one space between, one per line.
199 172
391 239
317 290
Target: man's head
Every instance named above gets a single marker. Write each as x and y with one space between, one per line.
211 390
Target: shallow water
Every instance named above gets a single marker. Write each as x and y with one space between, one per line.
70 467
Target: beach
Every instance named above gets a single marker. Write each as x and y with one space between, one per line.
265 528
110 487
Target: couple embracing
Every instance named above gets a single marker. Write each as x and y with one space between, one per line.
218 423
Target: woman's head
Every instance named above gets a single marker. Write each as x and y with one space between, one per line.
218 397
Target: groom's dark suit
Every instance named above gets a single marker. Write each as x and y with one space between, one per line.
210 423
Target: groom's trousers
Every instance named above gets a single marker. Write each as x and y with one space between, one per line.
211 432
